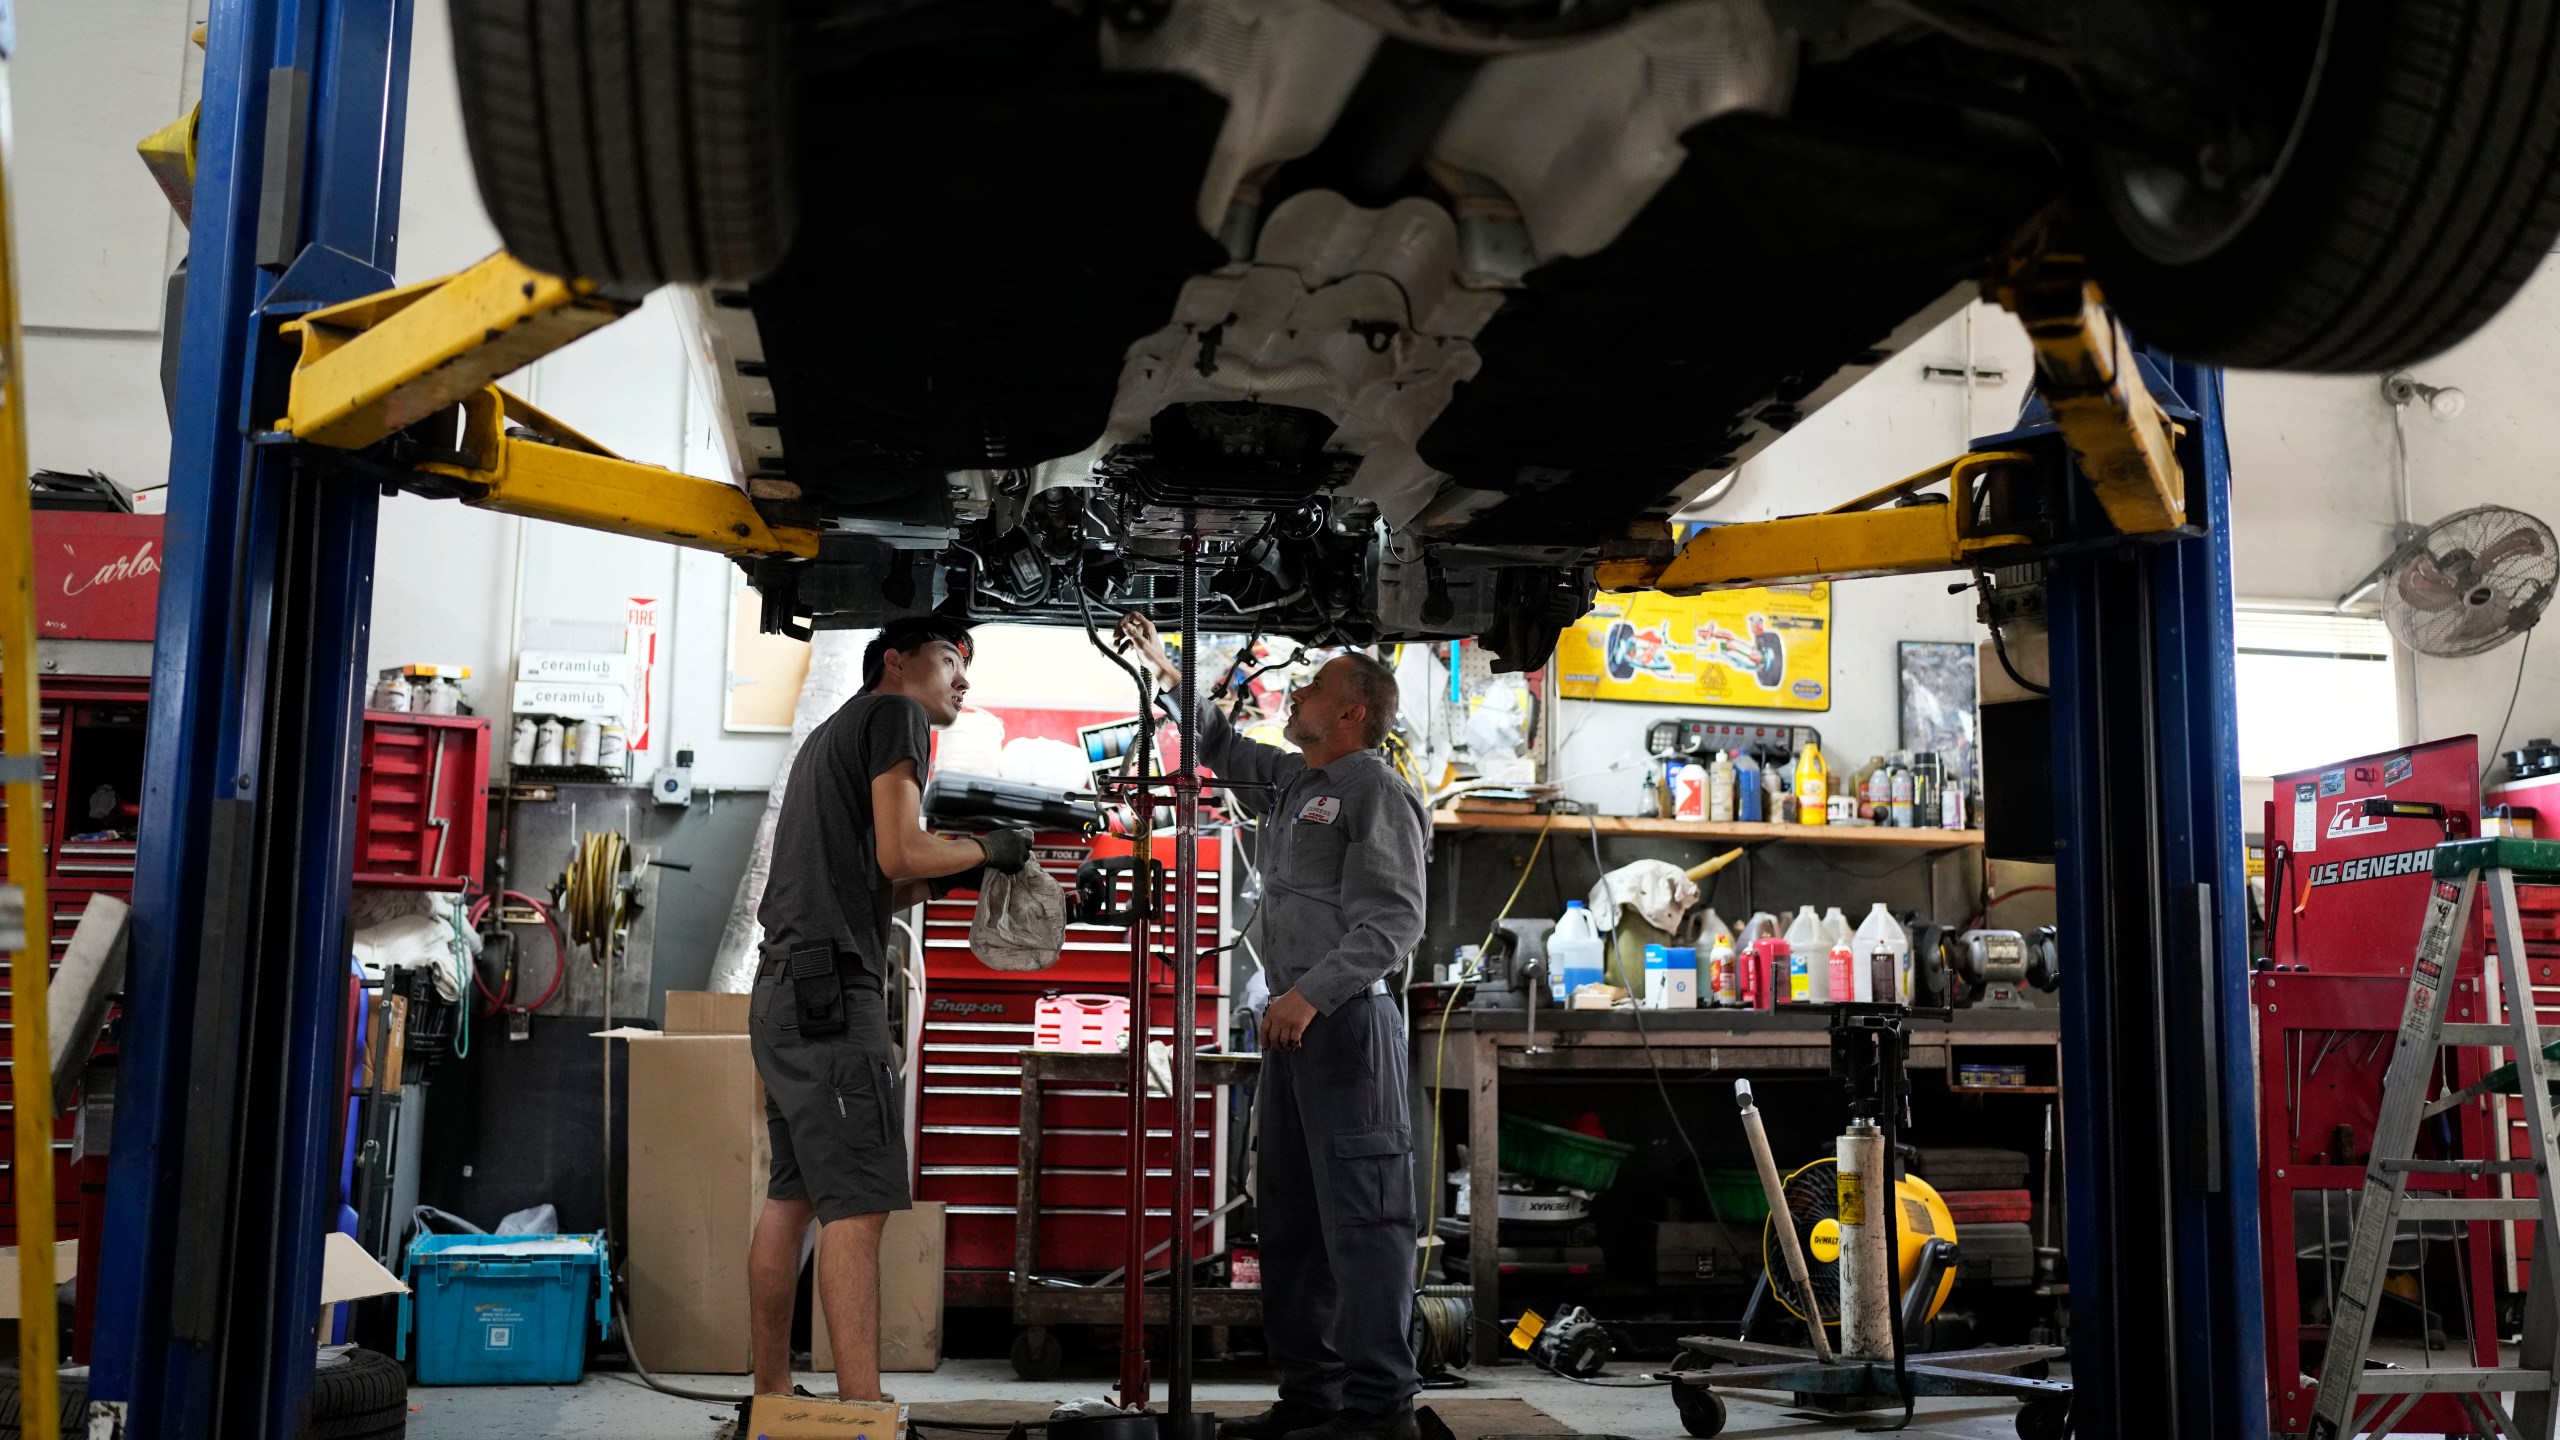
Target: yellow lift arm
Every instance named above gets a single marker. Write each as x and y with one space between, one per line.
374 366
2126 446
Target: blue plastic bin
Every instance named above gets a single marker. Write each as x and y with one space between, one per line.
504 1309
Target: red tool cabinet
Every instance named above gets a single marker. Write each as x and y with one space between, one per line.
2346 897
967 1106
92 733
422 800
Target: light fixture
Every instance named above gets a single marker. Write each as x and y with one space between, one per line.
2444 402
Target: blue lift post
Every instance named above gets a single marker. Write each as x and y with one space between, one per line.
218 1189
2158 1098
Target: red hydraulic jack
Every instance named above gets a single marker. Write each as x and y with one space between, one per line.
1143 792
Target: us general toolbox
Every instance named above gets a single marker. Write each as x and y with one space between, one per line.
504 1309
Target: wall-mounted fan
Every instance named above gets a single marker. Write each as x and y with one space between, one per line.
2470 582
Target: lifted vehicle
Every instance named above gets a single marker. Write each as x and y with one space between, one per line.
1417 310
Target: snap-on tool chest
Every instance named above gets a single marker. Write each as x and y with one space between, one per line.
977 1021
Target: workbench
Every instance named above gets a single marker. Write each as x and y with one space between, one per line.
1481 1046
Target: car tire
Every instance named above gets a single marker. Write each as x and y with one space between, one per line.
355 1395
2418 191
71 1394
631 142
359 1395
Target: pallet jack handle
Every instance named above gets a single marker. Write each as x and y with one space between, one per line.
1788 1245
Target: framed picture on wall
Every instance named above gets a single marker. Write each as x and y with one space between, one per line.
1940 705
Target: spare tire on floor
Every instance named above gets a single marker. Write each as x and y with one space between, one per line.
2416 192
356 1394
639 143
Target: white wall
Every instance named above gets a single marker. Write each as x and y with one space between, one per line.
1892 424
2312 493
95 238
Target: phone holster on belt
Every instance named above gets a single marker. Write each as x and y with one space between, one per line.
817 990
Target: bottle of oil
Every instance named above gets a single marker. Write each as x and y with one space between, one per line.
1813 802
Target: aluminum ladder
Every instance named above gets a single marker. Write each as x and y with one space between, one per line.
2354 1400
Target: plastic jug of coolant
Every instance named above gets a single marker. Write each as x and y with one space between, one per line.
1808 951
1573 951
1883 953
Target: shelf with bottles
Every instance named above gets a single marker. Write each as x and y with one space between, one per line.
1731 832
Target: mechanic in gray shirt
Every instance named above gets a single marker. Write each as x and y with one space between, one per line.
1341 854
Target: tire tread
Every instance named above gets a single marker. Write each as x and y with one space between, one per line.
636 142
2426 192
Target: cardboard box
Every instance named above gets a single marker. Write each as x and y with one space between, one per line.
698 1161
910 1295
707 1012
801 1417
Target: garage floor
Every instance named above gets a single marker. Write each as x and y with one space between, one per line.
618 1407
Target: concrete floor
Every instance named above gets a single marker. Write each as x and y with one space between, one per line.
618 1407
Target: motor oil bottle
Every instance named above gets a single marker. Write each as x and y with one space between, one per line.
1720 788
1813 801
1749 801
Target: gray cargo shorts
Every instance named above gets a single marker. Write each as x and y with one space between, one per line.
833 1105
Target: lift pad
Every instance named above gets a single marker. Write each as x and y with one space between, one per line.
2085 370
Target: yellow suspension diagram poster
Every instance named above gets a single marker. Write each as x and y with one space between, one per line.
1766 648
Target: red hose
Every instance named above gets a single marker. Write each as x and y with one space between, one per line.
1995 901
559 957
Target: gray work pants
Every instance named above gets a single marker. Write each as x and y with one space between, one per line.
1337 1217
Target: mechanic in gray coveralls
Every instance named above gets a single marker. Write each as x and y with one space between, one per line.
1341 856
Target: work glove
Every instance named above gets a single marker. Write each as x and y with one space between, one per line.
1007 850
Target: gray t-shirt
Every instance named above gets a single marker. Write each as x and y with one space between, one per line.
825 883
1341 851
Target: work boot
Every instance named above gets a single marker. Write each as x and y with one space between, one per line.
1357 1424
1284 1418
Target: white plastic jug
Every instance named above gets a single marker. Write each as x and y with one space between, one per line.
1883 952
1835 927
1810 980
1573 952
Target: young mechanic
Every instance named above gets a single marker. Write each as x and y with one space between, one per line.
849 852
1341 852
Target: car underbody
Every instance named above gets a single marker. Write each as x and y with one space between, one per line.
1410 314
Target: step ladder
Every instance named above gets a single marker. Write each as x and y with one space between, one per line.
2357 1401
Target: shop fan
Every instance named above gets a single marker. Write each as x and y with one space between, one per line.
2470 582
1812 1194
1813 1208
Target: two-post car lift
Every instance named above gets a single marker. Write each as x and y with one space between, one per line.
307 379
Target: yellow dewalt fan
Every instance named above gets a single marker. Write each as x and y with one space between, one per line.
1816 1197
